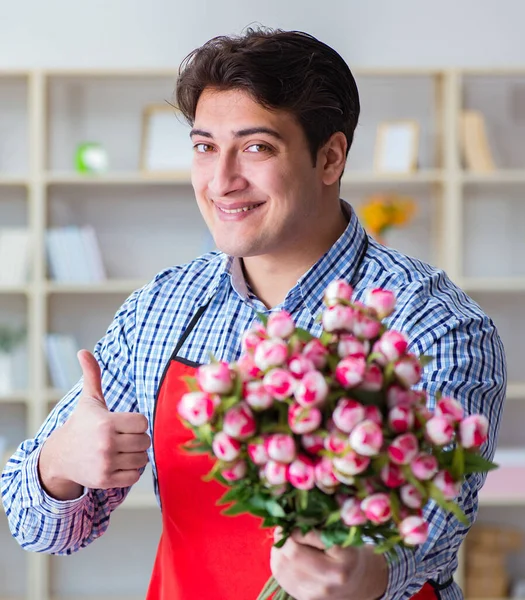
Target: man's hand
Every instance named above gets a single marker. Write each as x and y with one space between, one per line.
95 448
309 572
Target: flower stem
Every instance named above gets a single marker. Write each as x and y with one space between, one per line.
271 587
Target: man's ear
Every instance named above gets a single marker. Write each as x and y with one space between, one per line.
333 158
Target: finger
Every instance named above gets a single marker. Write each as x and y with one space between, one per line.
92 384
121 479
132 442
312 539
126 461
130 423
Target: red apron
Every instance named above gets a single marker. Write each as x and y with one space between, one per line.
202 555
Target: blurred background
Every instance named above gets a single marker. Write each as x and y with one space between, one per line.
95 198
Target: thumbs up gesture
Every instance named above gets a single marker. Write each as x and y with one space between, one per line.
95 448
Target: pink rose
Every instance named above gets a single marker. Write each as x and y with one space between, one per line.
304 420
336 291
239 422
366 438
403 449
280 325
377 508
215 378
324 474
225 448
280 447
252 337
257 396
382 301
424 466
301 473
448 407
400 418
275 473
198 408
350 371
247 368
392 476
279 383
312 442
349 345
410 496
299 365
372 413
473 431
257 453
366 326
338 318
448 487
351 463
396 395
439 431
336 442
351 512
270 353
316 352
408 370
311 390
373 379
392 345
235 471
414 530
347 414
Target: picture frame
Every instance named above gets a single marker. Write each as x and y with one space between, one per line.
397 146
165 145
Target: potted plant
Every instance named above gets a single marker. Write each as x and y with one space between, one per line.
10 339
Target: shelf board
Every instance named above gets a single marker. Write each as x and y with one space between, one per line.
182 177
373 177
14 289
516 391
493 284
15 397
498 176
139 500
13 180
107 287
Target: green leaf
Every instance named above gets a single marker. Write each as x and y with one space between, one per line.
262 318
236 509
191 382
475 463
458 463
437 495
389 544
303 335
425 360
326 337
333 517
274 508
353 538
231 495
302 499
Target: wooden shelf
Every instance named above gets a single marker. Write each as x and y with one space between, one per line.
495 177
13 181
124 178
516 391
15 397
15 289
107 287
372 177
492 284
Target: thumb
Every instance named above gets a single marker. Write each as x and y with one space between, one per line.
92 386
313 539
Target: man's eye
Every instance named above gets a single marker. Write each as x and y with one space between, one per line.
202 148
258 148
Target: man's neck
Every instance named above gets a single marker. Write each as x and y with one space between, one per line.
272 277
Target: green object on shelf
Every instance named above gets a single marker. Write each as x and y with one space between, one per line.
91 157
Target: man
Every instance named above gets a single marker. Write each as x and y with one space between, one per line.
273 116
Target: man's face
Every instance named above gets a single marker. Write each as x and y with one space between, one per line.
253 176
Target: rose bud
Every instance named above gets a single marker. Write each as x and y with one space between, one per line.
351 463
247 368
439 431
270 353
403 449
316 352
280 325
347 414
392 476
377 508
366 438
257 396
198 408
338 318
373 413
410 496
225 448
311 390
349 345
382 301
408 370
424 466
257 453
351 513
400 418
392 345
299 365
373 379
280 447
234 471
215 378
336 442
303 420
239 422
396 395
350 371
278 490
279 383
252 337
311 442
448 487
448 407
324 474
275 473
301 473
414 530
473 431
366 326
342 478
336 291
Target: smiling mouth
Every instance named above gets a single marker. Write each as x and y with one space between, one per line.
232 211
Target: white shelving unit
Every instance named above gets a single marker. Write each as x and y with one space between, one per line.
145 223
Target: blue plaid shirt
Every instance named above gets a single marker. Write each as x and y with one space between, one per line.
438 317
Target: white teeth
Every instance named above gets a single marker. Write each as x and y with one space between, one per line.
238 210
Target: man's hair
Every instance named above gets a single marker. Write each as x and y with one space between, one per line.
287 70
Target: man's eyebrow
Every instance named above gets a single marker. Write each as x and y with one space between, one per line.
241 133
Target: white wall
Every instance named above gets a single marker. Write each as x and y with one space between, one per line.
149 33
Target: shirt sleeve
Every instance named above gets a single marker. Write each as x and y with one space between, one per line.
469 365
39 522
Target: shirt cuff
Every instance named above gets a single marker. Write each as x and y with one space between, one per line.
35 497
401 569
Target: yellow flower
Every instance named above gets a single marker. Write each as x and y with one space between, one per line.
382 211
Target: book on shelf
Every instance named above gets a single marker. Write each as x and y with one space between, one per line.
64 368
14 255
74 255
474 142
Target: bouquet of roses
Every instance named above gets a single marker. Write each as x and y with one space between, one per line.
327 433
